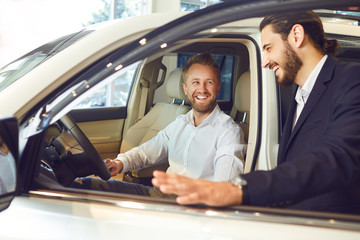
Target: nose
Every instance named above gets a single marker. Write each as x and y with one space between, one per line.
202 86
265 61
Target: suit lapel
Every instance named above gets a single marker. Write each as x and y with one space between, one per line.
318 90
287 130
315 95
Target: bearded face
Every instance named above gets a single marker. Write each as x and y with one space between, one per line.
280 57
202 87
292 65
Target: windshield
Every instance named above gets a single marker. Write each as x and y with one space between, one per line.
18 68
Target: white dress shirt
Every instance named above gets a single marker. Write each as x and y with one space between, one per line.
303 93
7 173
214 150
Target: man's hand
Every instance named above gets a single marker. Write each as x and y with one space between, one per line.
192 191
115 166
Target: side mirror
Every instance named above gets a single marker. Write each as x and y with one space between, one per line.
9 152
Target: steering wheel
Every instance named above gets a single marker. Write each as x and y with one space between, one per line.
86 145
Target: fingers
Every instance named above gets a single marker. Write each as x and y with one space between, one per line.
112 166
193 191
184 187
165 182
180 189
159 177
107 162
113 171
191 198
168 182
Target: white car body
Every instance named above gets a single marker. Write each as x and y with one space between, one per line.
60 213
51 75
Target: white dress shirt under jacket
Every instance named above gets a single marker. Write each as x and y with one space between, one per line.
214 150
303 93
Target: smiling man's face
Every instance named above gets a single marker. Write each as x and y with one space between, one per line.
201 86
279 56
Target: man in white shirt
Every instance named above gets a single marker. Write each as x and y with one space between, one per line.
205 143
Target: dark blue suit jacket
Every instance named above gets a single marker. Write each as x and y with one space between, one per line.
319 160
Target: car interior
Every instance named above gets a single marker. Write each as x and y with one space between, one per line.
155 100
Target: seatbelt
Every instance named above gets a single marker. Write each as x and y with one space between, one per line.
144 85
233 112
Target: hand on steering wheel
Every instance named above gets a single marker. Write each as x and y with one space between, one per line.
89 149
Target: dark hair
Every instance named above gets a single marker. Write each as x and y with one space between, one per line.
283 23
203 59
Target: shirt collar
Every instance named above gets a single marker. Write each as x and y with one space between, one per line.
304 91
211 119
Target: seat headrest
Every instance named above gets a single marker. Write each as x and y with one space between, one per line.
174 87
242 93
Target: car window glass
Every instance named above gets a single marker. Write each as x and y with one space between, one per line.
7 169
18 68
86 94
77 95
114 94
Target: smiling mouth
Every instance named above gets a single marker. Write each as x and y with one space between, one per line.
201 97
275 68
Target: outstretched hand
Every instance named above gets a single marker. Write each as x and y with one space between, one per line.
192 191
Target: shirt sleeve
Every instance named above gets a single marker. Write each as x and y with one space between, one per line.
230 154
147 153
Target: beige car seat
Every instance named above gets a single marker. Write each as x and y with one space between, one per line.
160 115
241 109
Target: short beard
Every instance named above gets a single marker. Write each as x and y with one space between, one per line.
292 65
205 109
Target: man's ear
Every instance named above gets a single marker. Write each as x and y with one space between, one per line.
297 35
184 87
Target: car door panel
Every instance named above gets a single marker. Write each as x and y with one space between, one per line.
104 135
103 127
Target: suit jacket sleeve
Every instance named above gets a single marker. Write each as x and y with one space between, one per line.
322 153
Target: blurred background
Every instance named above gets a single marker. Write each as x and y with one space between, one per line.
27 24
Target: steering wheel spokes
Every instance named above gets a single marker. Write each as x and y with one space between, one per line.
90 151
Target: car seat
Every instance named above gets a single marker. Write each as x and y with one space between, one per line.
241 108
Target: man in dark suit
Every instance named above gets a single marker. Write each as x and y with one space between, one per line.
319 152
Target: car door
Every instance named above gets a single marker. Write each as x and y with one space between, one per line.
104 126
44 113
